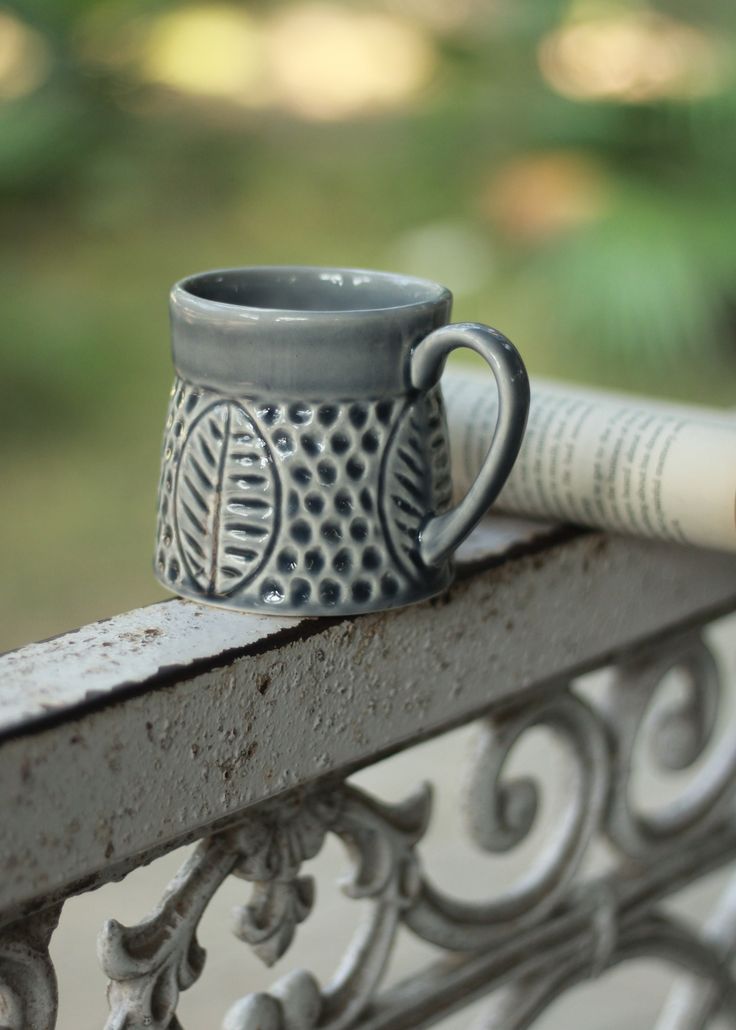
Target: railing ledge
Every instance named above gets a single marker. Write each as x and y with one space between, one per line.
131 736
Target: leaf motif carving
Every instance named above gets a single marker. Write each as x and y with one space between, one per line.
560 924
269 921
416 481
151 963
380 840
226 501
271 855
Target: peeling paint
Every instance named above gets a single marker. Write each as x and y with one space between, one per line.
101 790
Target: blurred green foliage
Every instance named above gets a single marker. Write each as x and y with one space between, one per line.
596 228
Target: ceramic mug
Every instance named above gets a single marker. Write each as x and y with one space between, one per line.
306 466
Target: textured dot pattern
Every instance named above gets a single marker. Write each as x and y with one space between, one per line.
330 554
333 545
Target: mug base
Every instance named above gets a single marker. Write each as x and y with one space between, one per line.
252 605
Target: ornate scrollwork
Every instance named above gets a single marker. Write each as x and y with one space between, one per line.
270 853
692 1002
680 735
653 936
380 840
503 813
556 927
151 963
28 992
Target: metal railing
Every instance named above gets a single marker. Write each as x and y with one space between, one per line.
177 723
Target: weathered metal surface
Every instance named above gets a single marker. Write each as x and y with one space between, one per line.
693 1003
46 679
150 963
28 991
557 926
142 768
52 677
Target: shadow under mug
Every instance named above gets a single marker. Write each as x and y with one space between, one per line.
306 466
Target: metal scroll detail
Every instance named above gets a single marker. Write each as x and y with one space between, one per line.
151 963
28 992
560 925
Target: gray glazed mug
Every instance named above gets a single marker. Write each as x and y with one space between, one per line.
306 466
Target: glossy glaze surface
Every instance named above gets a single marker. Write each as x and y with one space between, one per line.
301 331
304 507
305 465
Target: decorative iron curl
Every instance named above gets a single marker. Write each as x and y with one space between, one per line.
380 841
553 929
681 735
503 813
652 936
692 1002
151 963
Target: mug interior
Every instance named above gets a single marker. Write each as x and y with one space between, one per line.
312 289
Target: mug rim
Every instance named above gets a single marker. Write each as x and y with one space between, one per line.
192 304
357 351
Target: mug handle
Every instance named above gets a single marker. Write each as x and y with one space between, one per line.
441 534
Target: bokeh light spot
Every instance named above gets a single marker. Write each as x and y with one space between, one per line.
540 195
328 62
634 57
25 58
209 51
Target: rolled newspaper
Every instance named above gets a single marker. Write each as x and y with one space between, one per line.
606 460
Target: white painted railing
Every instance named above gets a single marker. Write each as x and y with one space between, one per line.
179 722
